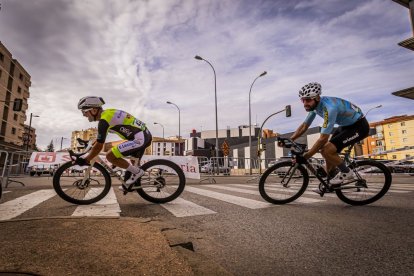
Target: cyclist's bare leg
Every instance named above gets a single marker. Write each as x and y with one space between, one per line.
119 162
331 156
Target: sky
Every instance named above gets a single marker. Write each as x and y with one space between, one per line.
138 55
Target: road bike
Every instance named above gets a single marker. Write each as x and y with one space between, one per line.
162 182
286 181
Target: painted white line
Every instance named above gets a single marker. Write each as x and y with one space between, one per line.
106 207
248 203
394 187
18 206
5 192
183 208
283 189
398 191
300 199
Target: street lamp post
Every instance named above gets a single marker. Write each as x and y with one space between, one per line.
179 127
29 134
215 98
250 120
61 142
155 123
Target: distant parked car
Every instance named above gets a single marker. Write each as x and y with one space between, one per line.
41 170
210 168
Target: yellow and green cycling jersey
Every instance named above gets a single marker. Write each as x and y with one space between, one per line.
120 122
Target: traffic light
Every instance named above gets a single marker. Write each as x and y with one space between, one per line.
17 105
263 146
288 111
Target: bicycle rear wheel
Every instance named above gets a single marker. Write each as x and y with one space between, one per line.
283 183
162 182
73 184
375 182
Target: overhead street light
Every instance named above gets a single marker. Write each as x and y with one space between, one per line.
155 123
215 98
250 119
179 127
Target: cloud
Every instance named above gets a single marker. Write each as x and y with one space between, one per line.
140 54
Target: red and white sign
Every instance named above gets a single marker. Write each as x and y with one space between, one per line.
189 164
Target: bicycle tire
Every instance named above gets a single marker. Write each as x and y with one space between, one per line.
276 172
68 186
160 193
370 194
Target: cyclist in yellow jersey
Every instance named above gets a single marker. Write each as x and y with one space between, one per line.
124 125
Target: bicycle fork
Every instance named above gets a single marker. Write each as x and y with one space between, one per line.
289 173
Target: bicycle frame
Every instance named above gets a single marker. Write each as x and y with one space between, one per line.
311 168
144 182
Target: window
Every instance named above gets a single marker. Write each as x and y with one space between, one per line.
405 140
404 131
21 76
394 156
407 156
1 72
13 130
1 56
392 141
402 123
15 117
390 133
390 126
19 89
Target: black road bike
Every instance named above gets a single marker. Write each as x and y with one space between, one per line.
286 181
162 182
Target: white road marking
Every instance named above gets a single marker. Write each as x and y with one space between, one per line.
184 208
18 206
300 199
245 202
281 189
106 207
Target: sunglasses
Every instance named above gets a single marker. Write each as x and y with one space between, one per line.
306 100
84 111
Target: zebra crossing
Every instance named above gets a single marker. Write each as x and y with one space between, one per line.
242 195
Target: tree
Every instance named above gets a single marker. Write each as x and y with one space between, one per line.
35 148
50 147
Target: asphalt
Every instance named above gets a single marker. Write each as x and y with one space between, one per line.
97 246
101 246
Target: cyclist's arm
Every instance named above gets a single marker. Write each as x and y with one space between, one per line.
301 129
323 139
304 126
98 145
96 149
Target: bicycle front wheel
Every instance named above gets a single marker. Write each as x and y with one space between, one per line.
78 186
162 182
374 183
283 182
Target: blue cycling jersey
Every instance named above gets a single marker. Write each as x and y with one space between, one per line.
334 111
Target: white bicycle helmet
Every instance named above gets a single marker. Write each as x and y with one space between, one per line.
90 102
311 90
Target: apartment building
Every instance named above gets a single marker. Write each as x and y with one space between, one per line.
87 134
14 84
169 147
392 133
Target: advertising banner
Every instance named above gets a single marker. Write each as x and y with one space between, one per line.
189 164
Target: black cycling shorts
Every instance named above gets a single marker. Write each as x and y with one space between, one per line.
348 135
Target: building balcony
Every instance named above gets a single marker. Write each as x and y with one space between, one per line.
408 43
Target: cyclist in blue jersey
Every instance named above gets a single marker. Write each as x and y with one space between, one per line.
353 127
123 124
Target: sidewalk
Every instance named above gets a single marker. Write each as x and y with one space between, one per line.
86 246
96 246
